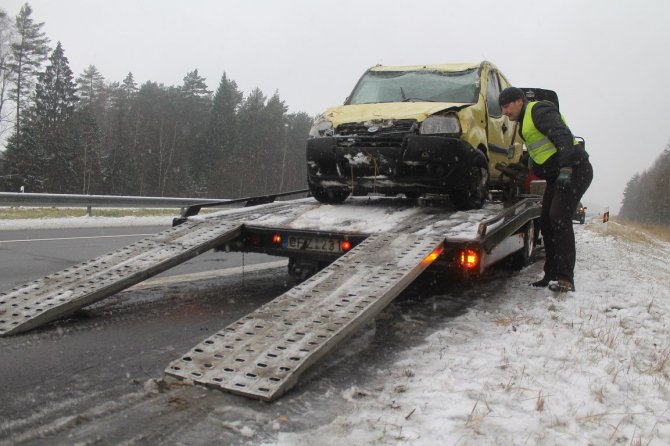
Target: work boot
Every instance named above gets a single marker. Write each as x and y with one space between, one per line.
562 286
543 282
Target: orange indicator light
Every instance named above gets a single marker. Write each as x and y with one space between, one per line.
346 245
430 258
276 239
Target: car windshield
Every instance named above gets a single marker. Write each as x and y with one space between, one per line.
417 86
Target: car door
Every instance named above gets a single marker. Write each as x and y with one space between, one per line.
503 146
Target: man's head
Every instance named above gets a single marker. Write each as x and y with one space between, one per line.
511 100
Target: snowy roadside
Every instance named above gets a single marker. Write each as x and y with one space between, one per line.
529 367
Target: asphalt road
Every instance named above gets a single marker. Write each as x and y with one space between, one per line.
31 254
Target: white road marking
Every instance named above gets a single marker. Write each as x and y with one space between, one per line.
74 238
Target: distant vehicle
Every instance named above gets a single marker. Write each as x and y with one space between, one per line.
414 130
580 214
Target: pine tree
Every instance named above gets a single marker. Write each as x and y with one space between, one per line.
251 143
84 145
90 86
275 140
223 138
117 162
129 87
192 118
631 195
45 158
147 129
28 53
195 85
647 195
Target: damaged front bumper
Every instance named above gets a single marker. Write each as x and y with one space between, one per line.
420 164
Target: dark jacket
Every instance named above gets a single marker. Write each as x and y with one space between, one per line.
547 119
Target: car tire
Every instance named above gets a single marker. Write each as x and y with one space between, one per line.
521 259
477 194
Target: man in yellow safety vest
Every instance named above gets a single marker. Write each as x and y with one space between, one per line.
557 157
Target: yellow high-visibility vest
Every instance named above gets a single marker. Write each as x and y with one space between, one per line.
540 148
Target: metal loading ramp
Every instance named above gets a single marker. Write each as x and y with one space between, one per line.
41 301
263 354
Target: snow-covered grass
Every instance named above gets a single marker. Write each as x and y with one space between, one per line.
526 366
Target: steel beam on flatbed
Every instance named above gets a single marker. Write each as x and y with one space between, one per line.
263 354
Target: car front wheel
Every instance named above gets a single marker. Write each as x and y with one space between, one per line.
475 196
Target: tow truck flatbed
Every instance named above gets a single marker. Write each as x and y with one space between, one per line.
352 259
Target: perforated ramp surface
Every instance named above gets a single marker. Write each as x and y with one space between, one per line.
263 354
44 300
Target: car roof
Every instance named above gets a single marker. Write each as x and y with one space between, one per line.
454 67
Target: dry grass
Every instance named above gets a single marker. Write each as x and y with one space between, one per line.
476 416
661 363
656 231
632 231
539 403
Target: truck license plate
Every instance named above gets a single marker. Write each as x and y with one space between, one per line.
312 244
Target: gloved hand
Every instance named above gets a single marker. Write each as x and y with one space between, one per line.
564 179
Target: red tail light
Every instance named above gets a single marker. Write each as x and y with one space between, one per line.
276 239
468 259
345 245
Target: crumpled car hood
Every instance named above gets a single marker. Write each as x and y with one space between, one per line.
384 111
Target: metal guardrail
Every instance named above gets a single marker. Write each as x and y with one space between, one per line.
111 201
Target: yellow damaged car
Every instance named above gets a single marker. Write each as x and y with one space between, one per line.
415 130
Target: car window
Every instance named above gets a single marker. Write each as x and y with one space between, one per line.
492 93
416 86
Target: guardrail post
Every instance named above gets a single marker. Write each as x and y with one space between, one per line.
89 211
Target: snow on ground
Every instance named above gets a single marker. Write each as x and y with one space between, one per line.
522 366
526 366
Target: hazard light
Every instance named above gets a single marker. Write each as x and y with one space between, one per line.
345 245
468 259
430 258
276 239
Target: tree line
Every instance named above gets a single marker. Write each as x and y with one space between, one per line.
86 135
647 195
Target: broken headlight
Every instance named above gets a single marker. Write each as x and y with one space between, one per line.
448 124
322 127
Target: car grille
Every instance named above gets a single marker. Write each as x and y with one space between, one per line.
357 134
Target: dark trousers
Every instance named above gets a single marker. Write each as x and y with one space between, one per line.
558 207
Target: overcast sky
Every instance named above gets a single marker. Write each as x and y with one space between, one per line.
607 60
